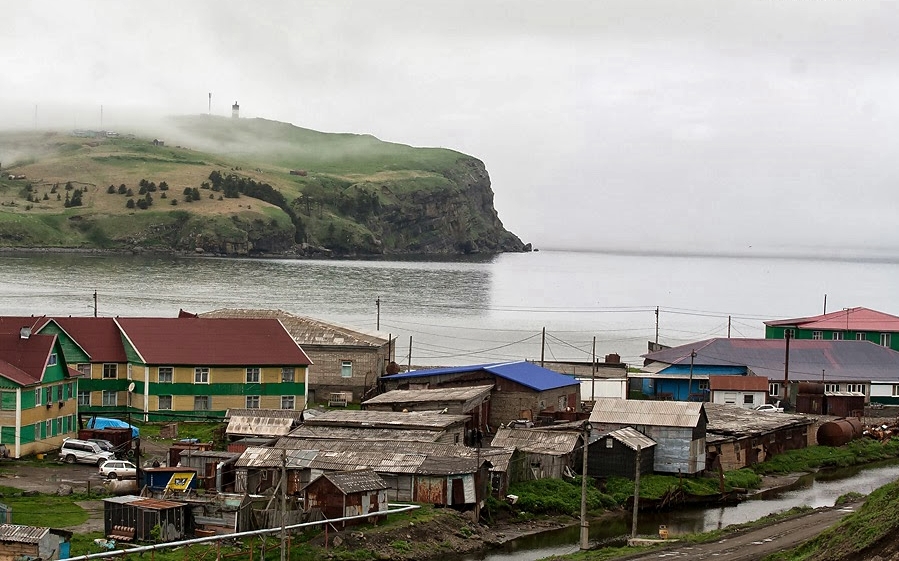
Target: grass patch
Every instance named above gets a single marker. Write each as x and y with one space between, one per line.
861 451
44 510
557 496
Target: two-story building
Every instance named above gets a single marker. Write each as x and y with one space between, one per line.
849 324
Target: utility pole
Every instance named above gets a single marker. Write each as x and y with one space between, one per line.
728 327
95 303
283 504
585 526
657 325
378 304
636 496
409 369
593 384
825 303
787 336
542 346
690 383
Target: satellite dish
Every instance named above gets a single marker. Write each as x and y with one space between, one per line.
131 387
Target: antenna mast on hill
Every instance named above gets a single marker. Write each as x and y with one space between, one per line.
210 103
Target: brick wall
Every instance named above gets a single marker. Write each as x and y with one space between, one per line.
325 373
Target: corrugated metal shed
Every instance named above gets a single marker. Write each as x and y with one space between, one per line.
434 395
22 534
537 441
259 457
728 421
608 410
385 419
349 482
632 438
389 462
361 433
434 465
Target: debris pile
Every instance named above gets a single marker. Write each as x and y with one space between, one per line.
882 432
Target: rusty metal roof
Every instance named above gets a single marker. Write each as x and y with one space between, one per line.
22 534
610 410
359 481
307 331
738 383
632 438
537 441
257 456
332 460
432 395
386 419
157 504
437 465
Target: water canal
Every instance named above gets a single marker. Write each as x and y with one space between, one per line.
814 490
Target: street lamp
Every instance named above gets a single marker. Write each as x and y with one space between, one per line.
585 526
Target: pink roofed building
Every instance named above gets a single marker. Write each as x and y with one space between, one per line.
852 324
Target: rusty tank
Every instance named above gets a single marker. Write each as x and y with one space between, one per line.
839 431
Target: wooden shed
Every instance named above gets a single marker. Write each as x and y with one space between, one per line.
615 453
215 469
259 469
33 542
133 518
347 493
844 404
548 454
678 428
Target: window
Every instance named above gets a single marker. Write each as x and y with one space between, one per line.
885 339
837 335
165 374
859 336
165 403
774 388
895 389
748 399
110 371
703 385
789 333
37 396
831 387
52 360
201 403
857 388
128 371
609 443
252 402
346 369
110 398
59 389
84 369
287 374
287 401
84 399
201 375
253 376
817 335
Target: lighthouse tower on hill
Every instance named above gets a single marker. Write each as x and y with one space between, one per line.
235 111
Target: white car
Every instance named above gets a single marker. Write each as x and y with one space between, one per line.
118 469
768 408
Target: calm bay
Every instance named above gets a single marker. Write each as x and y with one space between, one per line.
471 310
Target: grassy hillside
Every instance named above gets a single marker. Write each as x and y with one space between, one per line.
347 193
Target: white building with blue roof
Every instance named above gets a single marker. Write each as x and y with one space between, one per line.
521 390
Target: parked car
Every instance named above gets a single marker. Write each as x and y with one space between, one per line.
84 451
104 444
118 469
769 408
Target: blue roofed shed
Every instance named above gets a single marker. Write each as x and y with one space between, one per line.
521 390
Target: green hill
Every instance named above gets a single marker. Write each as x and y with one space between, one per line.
243 186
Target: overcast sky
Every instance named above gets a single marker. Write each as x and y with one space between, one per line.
734 126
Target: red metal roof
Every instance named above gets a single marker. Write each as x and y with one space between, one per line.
99 337
852 319
212 341
23 360
739 383
13 324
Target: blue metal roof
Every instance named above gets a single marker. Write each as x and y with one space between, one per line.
525 373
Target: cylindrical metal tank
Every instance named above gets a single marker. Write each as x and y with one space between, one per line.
839 432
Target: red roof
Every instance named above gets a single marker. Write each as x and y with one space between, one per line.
23 360
738 383
99 337
14 324
213 341
851 319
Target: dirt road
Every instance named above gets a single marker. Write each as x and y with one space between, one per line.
757 543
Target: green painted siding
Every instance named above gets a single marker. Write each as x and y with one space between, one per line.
7 435
27 398
6 383
130 353
284 388
8 400
27 434
827 335
72 352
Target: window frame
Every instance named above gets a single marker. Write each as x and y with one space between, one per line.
292 399
346 366
206 399
837 336
52 360
257 374
171 374
83 393
115 396
774 386
285 370
38 396
861 337
84 368
256 399
110 367
886 340
817 335
201 372
171 403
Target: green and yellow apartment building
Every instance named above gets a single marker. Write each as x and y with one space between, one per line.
184 368
37 390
